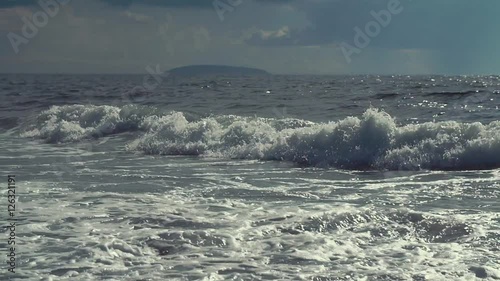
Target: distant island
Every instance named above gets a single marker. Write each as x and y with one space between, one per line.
202 70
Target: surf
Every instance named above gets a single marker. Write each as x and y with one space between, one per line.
373 140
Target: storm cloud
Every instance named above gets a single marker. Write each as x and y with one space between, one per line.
282 36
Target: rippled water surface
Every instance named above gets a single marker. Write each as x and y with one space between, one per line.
268 178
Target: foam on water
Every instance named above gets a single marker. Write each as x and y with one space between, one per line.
128 216
190 238
101 204
371 141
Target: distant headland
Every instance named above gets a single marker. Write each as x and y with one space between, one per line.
203 70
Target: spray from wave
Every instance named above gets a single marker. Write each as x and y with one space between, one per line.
371 141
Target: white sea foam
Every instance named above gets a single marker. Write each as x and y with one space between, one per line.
71 123
371 141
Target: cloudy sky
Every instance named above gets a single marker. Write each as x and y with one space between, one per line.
281 36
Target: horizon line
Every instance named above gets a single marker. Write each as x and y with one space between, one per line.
269 73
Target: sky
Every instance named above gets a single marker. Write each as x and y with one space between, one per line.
280 36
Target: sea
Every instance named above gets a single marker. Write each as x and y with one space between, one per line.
278 177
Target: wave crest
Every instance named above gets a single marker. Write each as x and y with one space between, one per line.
371 141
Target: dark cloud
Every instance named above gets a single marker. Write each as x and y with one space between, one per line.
425 24
459 33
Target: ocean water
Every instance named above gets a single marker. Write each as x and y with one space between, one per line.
253 178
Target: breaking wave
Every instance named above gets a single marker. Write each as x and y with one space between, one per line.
371 141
